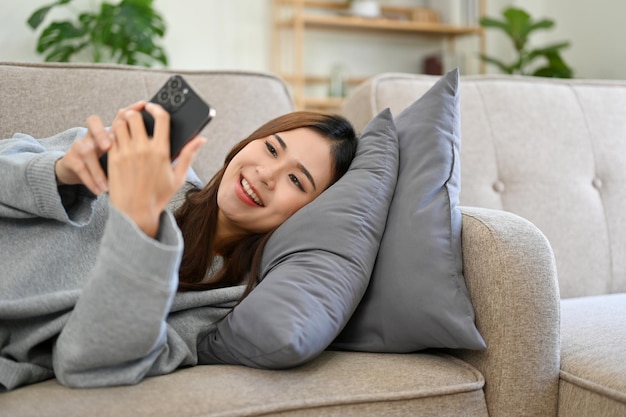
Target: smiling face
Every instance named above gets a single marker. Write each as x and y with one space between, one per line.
270 179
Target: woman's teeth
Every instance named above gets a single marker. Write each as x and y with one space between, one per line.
250 192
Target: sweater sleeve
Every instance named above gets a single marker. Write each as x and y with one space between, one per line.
29 186
118 328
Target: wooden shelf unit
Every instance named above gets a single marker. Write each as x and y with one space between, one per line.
296 17
380 23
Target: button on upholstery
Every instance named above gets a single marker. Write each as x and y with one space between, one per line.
597 183
498 187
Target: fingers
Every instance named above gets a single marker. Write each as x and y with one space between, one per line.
138 106
133 147
121 118
100 135
80 165
141 175
161 124
90 172
121 135
132 116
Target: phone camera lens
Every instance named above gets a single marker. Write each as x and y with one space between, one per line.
175 83
177 98
164 96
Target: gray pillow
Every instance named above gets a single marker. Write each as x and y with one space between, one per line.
317 265
417 296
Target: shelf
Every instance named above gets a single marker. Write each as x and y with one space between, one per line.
377 24
293 19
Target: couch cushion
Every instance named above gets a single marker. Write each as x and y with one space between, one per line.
593 356
336 384
417 296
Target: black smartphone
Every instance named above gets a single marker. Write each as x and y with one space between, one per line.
189 114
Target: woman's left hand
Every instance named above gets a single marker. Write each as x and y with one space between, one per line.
142 179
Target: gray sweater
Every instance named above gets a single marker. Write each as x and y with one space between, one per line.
85 296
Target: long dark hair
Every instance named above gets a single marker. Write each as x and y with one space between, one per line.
197 217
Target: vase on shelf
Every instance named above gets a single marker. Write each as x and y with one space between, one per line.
456 12
365 8
337 81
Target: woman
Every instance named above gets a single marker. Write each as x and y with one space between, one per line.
89 277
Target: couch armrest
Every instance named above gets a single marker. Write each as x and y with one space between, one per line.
510 273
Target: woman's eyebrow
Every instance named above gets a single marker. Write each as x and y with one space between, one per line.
302 168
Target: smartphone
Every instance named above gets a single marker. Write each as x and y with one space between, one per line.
189 114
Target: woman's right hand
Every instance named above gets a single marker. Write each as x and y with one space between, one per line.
81 163
142 178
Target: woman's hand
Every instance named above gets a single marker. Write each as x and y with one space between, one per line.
142 179
81 164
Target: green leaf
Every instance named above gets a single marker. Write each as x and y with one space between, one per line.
124 32
133 32
62 53
87 20
549 71
507 69
558 65
58 33
139 4
546 50
488 22
518 25
40 14
518 21
542 24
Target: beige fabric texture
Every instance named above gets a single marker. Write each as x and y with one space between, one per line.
561 172
553 152
575 401
42 99
515 297
337 384
593 369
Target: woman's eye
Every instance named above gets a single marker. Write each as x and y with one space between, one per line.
296 181
271 148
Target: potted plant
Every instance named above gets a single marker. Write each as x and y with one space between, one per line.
123 33
518 26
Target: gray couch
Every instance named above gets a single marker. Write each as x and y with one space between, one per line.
509 266
553 152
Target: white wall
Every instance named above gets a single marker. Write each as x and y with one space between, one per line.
595 30
200 33
235 34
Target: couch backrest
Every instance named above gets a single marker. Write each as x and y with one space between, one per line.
44 99
552 151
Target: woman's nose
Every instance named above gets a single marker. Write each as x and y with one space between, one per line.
267 175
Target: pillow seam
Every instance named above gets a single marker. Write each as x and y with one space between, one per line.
380 187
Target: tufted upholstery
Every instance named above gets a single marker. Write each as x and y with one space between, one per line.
551 151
